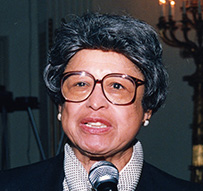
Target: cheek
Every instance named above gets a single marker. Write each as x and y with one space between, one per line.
137 114
69 114
70 109
131 117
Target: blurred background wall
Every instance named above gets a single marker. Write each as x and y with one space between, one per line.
26 31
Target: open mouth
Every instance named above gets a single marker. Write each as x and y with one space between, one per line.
96 125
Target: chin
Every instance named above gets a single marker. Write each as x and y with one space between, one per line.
97 152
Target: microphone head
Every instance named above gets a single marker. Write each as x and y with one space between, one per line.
103 173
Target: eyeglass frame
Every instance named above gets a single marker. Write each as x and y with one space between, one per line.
137 82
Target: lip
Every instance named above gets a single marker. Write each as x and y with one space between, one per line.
95 130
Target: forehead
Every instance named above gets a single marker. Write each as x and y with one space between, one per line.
100 63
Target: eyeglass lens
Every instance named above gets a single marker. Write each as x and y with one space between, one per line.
116 88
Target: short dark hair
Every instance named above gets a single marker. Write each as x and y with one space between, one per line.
133 38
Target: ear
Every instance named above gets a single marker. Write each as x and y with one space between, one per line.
59 108
147 115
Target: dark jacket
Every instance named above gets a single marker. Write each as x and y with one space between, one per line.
48 175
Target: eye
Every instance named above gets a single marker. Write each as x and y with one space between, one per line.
117 86
81 84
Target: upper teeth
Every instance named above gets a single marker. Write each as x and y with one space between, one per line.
96 124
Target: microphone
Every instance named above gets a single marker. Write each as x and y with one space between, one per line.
104 176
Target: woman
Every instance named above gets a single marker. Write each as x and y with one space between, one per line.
106 75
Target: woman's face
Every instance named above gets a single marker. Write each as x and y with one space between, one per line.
96 127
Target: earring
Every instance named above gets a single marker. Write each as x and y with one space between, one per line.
59 116
146 122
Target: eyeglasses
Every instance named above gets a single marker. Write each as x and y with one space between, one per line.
119 89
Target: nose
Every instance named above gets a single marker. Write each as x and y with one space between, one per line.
97 99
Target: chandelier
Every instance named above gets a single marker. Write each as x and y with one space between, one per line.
187 34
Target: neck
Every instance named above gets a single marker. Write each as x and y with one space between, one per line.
119 159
